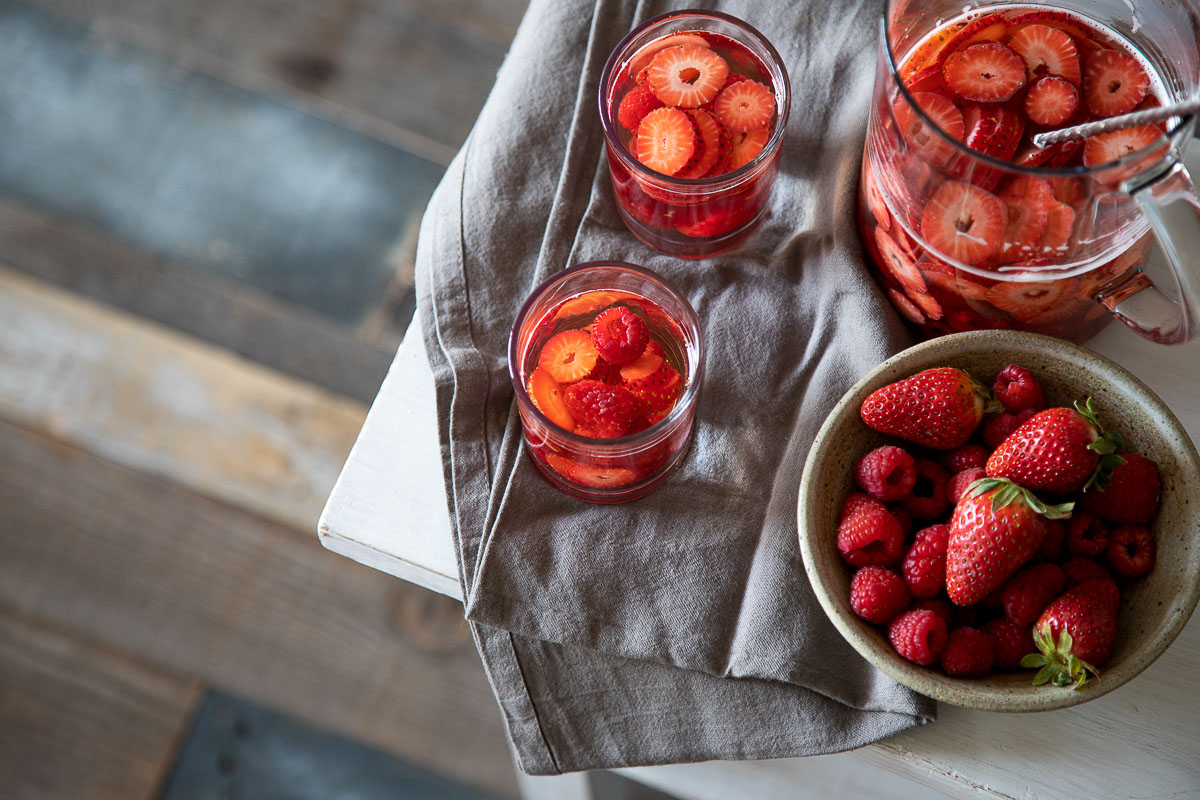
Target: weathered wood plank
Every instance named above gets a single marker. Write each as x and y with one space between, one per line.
81 720
247 605
155 400
366 63
220 310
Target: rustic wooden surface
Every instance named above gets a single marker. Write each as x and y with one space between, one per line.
1138 741
81 720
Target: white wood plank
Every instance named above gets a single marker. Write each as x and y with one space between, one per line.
149 398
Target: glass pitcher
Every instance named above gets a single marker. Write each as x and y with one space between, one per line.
922 189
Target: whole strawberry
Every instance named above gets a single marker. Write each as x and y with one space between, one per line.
1058 450
996 527
1075 633
1131 496
938 408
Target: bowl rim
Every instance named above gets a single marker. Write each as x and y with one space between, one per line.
957 691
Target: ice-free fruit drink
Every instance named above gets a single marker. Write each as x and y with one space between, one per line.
693 106
605 361
971 226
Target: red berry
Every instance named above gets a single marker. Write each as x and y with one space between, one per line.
1051 101
1131 551
924 140
1057 450
960 481
1105 147
1027 201
855 503
918 636
968 653
547 395
607 410
747 146
877 594
1047 51
655 385
924 566
1028 592
1017 389
1089 613
1113 83
938 408
870 535
1081 569
928 497
987 72
938 606
744 106
1010 642
639 102
708 145
964 222
619 335
568 356
965 457
1131 497
1087 535
1052 545
886 473
666 140
687 76
998 428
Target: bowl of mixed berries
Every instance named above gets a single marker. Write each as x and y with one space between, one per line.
1003 521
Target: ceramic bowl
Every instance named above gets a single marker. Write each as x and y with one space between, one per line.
1154 609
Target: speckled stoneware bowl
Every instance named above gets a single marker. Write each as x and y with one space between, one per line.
1153 609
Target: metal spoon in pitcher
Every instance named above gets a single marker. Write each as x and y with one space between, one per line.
1129 120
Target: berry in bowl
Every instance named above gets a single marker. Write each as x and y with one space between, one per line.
606 360
989 516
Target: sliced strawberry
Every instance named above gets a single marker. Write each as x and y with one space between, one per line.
929 306
1027 201
988 28
724 153
875 200
666 140
964 222
923 140
568 356
747 146
547 395
1114 83
638 103
687 76
994 130
1060 220
1055 19
656 391
1067 190
642 367
639 67
1026 301
1066 154
988 72
718 221
1034 156
708 146
745 106
906 307
898 265
928 79
1047 51
590 475
1105 147
1051 101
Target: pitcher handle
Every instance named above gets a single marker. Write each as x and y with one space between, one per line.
1168 199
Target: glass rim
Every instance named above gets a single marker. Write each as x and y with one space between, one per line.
747 170
630 443
1172 137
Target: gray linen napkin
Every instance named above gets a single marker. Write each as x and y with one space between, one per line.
679 627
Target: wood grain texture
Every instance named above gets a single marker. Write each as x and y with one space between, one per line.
211 307
79 720
248 605
157 401
351 61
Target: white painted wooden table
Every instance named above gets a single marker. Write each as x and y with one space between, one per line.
388 511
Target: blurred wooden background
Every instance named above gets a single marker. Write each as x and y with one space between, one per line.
208 214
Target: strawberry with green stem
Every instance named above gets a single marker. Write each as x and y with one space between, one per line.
1084 620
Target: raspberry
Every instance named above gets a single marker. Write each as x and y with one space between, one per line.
1131 551
924 566
877 594
1132 494
904 518
854 503
965 457
918 635
1081 570
1052 545
1010 642
938 606
886 473
638 103
870 535
619 335
1086 535
605 372
928 498
606 410
968 653
1028 592
1017 390
960 481
997 429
